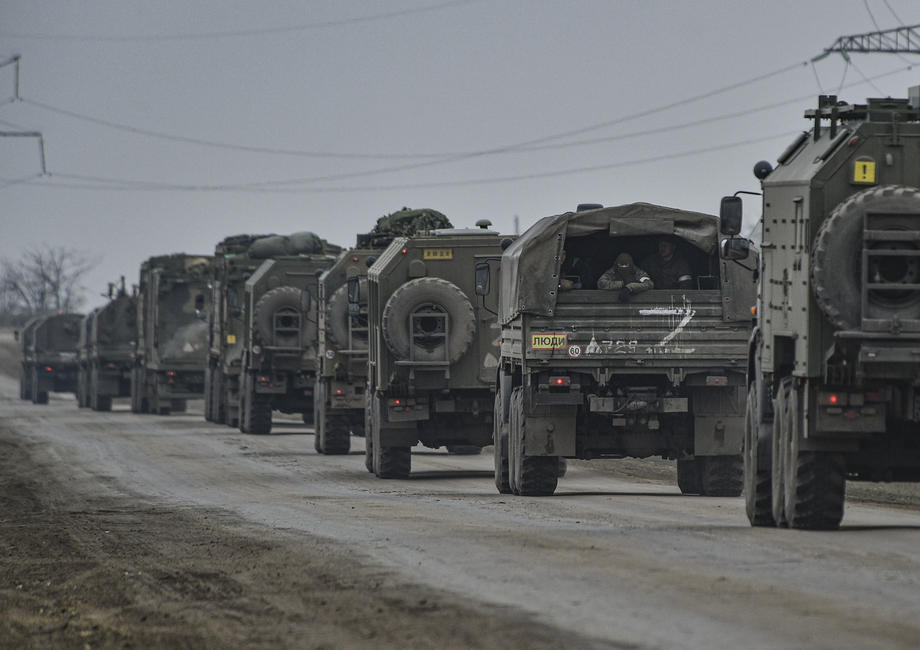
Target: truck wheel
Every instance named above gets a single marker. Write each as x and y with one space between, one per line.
336 436
259 412
434 296
837 281
392 462
533 476
500 448
779 441
337 318
25 385
220 406
814 482
209 394
319 413
38 396
464 450
756 451
721 476
245 397
103 403
689 479
369 433
287 298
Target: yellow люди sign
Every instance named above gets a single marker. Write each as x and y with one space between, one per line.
549 341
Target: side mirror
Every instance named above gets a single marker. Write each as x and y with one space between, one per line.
735 249
483 279
16 335
730 215
354 295
306 300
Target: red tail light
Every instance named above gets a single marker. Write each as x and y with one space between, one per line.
560 381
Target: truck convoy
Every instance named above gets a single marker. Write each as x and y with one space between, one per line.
171 345
49 356
339 398
433 347
834 362
591 368
107 336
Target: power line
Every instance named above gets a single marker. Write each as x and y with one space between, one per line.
102 183
241 32
439 157
122 184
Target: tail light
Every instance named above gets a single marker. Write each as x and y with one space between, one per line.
831 398
560 381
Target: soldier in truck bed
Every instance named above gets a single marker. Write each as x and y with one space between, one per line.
624 276
668 268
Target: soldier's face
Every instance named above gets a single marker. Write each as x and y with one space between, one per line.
665 249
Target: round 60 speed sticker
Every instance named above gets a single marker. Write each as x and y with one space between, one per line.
574 350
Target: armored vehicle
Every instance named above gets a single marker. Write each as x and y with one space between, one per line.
278 364
49 356
342 354
107 338
834 363
171 346
231 267
433 347
587 372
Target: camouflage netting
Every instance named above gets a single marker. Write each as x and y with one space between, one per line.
402 223
298 243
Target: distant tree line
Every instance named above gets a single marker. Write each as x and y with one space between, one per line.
43 280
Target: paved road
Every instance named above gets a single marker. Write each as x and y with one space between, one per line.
623 562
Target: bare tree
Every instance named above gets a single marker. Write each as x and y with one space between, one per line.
46 279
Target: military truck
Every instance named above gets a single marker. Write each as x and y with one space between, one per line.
231 267
107 336
342 353
279 346
433 347
834 362
591 373
49 356
171 347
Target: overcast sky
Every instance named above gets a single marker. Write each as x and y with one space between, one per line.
331 113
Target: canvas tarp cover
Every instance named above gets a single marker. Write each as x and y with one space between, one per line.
530 264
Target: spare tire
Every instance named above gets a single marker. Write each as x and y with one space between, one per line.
337 318
837 280
437 297
282 298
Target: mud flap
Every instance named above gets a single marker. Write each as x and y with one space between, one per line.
551 431
717 435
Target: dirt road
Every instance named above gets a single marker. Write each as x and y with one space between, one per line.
120 529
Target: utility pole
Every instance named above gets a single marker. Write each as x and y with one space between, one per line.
13 60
